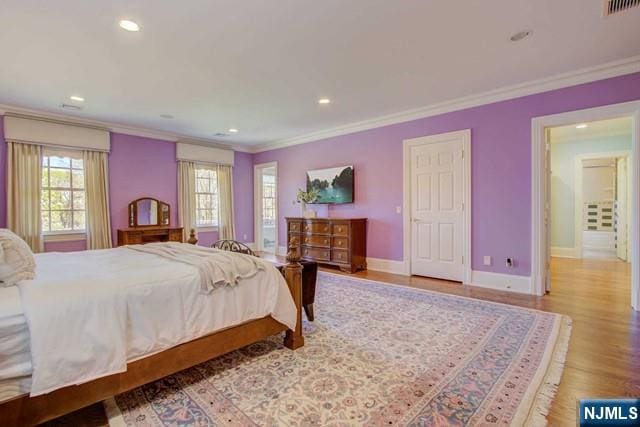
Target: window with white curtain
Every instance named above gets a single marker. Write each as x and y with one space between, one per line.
63 196
206 196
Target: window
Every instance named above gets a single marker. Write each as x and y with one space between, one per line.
62 201
206 197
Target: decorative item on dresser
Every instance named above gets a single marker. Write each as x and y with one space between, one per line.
149 221
335 241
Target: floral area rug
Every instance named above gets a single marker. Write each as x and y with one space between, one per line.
377 354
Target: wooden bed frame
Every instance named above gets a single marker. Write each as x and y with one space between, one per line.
27 411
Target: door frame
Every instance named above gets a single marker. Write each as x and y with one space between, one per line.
465 135
539 243
578 199
257 205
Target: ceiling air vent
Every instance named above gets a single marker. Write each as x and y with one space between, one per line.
615 6
221 135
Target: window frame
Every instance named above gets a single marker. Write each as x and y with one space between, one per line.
63 235
207 227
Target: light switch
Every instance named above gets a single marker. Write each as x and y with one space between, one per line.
487 260
398 209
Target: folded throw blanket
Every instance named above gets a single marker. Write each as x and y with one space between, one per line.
216 267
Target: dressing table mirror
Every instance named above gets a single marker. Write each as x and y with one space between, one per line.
149 212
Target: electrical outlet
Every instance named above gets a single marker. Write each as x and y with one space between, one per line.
487 260
398 209
509 262
244 236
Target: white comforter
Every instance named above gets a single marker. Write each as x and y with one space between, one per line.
90 312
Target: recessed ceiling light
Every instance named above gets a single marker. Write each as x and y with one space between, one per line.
129 25
76 98
581 126
324 101
166 116
233 130
521 35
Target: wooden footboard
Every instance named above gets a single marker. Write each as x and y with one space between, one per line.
27 411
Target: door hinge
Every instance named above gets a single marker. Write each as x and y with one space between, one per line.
462 206
462 259
462 154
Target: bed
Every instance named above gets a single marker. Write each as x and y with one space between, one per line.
50 365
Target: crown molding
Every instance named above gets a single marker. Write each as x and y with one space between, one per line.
119 128
559 81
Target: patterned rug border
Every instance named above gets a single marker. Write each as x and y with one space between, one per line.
533 408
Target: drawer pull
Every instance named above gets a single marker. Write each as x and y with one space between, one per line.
339 242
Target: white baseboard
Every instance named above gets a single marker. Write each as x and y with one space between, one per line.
563 252
386 266
501 282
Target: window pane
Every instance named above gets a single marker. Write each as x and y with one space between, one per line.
78 220
202 185
44 201
78 200
77 164
46 226
60 199
60 162
60 220
45 160
60 178
77 177
204 201
45 177
201 216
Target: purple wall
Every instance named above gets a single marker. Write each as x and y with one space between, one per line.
140 167
501 170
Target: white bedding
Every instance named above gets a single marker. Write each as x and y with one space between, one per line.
90 312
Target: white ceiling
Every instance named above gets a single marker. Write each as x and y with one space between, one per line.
260 66
600 129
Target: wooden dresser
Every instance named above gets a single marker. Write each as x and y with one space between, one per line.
141 235
335 241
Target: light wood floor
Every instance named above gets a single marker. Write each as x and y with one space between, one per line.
604 351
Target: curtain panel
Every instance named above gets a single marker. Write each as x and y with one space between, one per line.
96 184
24 182
187 197
226 226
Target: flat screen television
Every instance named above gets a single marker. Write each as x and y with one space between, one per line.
334 185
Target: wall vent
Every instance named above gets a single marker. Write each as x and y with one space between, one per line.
71 107
221 135
615 6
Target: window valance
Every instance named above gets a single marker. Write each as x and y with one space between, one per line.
204 154
52 133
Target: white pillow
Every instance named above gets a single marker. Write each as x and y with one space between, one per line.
16 259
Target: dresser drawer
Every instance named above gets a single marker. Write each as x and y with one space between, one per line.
316 253
321 241
295 226
339 256
316 227
340 229
340 243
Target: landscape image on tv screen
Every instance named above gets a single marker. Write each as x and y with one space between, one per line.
334 185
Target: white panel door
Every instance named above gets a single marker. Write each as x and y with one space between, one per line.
437 216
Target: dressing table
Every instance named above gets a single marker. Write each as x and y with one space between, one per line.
149 221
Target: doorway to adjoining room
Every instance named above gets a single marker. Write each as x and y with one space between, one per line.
266 207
